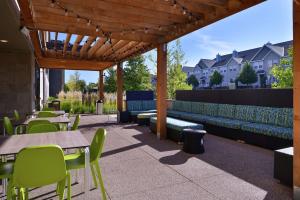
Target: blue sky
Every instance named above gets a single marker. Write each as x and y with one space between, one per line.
270 21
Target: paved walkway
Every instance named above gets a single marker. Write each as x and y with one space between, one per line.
137 166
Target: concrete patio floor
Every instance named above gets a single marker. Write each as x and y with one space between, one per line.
136 165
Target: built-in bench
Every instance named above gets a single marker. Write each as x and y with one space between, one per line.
140 106
263 126
175 127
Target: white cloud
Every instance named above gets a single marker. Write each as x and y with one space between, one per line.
210 46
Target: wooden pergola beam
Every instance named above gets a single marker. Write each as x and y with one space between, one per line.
161 88
36 43
296 46
97 45
84 48
66 43
57 63
120 87
104 48
76 44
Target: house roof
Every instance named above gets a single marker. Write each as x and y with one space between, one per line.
205 63
253 54
187 69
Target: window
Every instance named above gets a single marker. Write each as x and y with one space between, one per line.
260 67
234 69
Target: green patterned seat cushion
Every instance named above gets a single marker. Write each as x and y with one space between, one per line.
210 109
270 130
149 105
176 105
245 113
197 107
134 105
136 112
284 117
185 106
226 110
225 122
177 124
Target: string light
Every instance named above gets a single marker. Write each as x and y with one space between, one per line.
52 3
146 30
97 28
89 22
78 18
66 12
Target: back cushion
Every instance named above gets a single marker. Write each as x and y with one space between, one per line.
210 109
197 107
176 105
185 106
266 115
284 117
134 105
226 110
245 113
149 105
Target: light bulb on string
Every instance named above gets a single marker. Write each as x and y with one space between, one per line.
97 28
52 3
66 12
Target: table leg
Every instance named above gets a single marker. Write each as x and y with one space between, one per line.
4 181
87 173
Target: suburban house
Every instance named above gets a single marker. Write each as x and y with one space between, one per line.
262 60
188 70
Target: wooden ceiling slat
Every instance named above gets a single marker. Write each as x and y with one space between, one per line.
87 44
66 43
117 46
105 48
76 44
97 45
122 50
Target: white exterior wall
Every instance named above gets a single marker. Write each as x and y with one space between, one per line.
44 87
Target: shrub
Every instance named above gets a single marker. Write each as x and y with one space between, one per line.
66 106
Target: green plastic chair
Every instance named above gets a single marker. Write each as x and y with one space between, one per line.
36 122
39 166
46 114
9 129
77 160
43 128
16 115
76 123
48 109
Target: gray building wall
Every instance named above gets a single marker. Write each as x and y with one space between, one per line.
16 82
56 81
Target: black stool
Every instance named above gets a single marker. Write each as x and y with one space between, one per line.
193 141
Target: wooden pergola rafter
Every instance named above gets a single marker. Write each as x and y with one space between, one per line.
115 30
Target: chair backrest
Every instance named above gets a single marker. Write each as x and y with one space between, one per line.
46 114
48 109
43 128
9 129
76 123
38 166
97 144
17 115
35 122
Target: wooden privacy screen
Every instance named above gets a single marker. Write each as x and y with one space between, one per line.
258 97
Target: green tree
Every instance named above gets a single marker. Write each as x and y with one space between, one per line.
215 79
110 83
247 75
91 86
176 77
284 72
136 74
75 84
192 80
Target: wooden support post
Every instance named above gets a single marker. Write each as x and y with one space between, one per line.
161 88
296 174
120 87
101 86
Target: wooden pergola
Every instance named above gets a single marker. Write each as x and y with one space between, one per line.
108 32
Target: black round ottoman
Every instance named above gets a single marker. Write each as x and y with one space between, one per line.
193 141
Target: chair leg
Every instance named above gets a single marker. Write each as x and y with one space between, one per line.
61 189
100 180
94 176
69 186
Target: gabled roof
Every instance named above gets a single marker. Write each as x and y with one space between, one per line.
223 61
187 69
205 63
